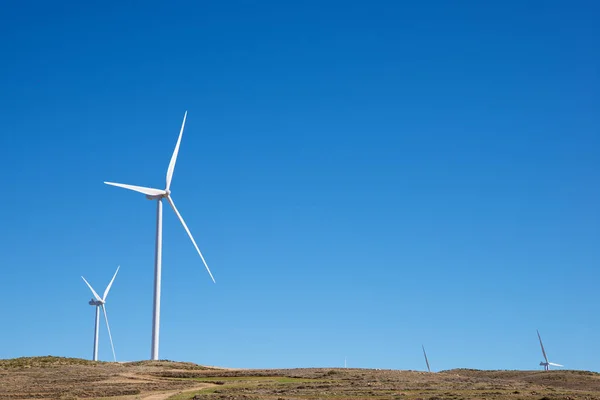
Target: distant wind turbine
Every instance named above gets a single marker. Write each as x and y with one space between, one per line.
547 363
101 302
426 360
159 195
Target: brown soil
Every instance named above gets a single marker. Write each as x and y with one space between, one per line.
61 378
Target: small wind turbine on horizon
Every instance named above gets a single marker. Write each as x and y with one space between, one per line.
101 302
426 360
159 195
547 363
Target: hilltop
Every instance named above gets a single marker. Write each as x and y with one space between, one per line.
71 378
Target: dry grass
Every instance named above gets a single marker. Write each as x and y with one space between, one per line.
62 378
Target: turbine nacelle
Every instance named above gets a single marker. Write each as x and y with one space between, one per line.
96 303
163 195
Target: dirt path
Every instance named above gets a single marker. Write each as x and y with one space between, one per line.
166 394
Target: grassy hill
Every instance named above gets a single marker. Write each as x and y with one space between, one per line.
72 378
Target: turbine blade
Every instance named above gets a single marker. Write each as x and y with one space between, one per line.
109 335
110 284
541 344
92 289
141 189
190 235
426 360
174 156
556 365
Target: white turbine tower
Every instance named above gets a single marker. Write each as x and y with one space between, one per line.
159 195
426 360
101 302
547 363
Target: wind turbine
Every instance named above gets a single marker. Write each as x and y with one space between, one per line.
426 360
546 364
101 302
159 195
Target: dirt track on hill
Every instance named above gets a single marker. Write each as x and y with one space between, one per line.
170 393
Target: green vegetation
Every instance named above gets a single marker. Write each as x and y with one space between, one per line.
248 384
191 394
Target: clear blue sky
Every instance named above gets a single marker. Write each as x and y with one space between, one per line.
362 177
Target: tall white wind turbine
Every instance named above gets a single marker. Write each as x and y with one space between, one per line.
101 302
547 363
426 360
159 195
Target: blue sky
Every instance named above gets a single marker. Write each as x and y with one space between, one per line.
362 177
